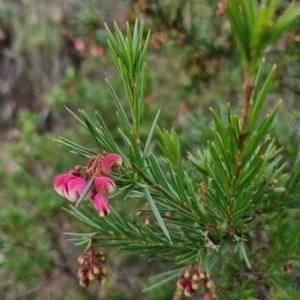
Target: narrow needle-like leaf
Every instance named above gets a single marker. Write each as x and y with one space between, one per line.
84 193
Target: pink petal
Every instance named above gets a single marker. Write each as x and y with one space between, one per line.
104 185
59 183
78 44
97 50
75 187
101 204
109 162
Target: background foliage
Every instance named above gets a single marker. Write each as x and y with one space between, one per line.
193 64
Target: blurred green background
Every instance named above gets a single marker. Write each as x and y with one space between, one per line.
192 64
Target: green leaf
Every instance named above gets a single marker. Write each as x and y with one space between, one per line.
281 286
170 275
248 8
243 254
220 129
157 214
150 135
78 148
258 136
258 103
77 118
257 81
235 17
157 173
108 137
226 156
286 20
91 128
80 216
224 175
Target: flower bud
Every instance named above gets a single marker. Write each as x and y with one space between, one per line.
195 285
195 277
82 271
208 296
84 281
103 270
96 270
91 275
208 283
202 275
102 279
188 291
99 253
102 258
83 259
188 272
182 283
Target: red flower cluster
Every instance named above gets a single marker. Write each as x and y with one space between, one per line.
72 185
193 280
92 268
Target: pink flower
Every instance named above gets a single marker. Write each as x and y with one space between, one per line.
59 183
97 50
104 185
110 162
101 204
73 184
71 187
78 44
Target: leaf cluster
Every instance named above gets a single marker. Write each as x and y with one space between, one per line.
256 26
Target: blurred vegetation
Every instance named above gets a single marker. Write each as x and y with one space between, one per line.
192 62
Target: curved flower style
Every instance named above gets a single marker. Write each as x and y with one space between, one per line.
71 187
104 185
110 162
101 204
